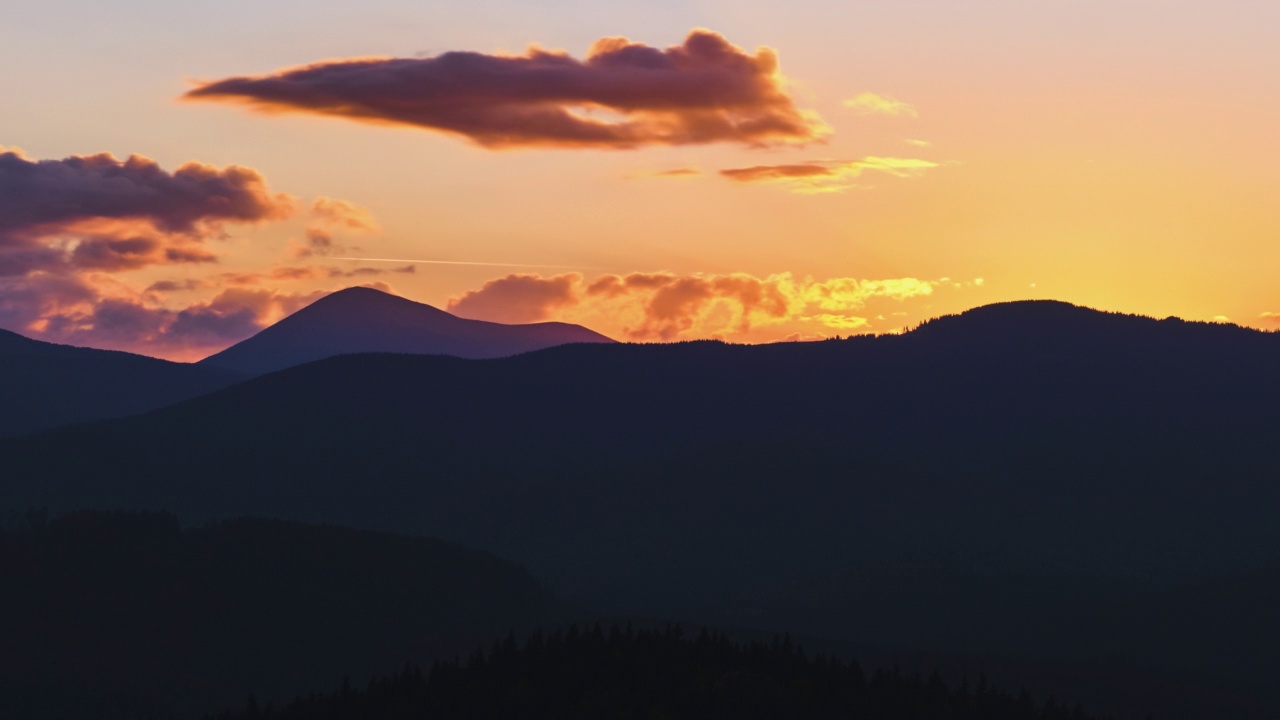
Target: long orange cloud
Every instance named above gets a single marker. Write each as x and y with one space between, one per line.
623 94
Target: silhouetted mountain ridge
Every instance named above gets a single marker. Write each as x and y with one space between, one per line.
361 320
45 385
690 479
1049 326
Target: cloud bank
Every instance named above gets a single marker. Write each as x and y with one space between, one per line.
623 94
95 212
95 311
70 227
668 306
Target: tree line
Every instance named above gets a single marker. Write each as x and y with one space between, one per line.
625 673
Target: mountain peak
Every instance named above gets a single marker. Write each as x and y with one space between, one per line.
363 320
362 294
355 303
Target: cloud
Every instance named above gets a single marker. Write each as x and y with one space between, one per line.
69 227
869 103
370 272
827 176
230 316
96 311
328 215
1271 317
623 94
98 213
679 172
277 274
342 213
670 306
518 298
673 304
130 253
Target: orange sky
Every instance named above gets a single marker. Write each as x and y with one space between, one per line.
937 156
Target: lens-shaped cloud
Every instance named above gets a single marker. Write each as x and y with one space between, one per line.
623 94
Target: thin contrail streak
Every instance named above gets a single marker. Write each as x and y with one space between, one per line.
465 262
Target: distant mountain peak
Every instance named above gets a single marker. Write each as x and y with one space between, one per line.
364 320
363 295
365 300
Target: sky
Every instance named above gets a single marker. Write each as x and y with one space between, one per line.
175 176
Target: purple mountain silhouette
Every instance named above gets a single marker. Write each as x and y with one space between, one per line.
363 320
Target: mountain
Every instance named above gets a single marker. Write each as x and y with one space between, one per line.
44 385
128 615
1007 452
364 320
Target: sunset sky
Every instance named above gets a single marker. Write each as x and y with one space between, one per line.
743 170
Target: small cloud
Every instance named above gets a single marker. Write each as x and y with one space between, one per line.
518 298
341 213
1221 318
869 103
840 322
328 215
803 337
918 143
825 176
371 272
680 172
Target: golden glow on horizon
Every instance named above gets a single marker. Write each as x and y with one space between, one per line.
668 306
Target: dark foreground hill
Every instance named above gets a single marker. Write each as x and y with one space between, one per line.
364 320
43 385
629 675
1027 468
128 616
